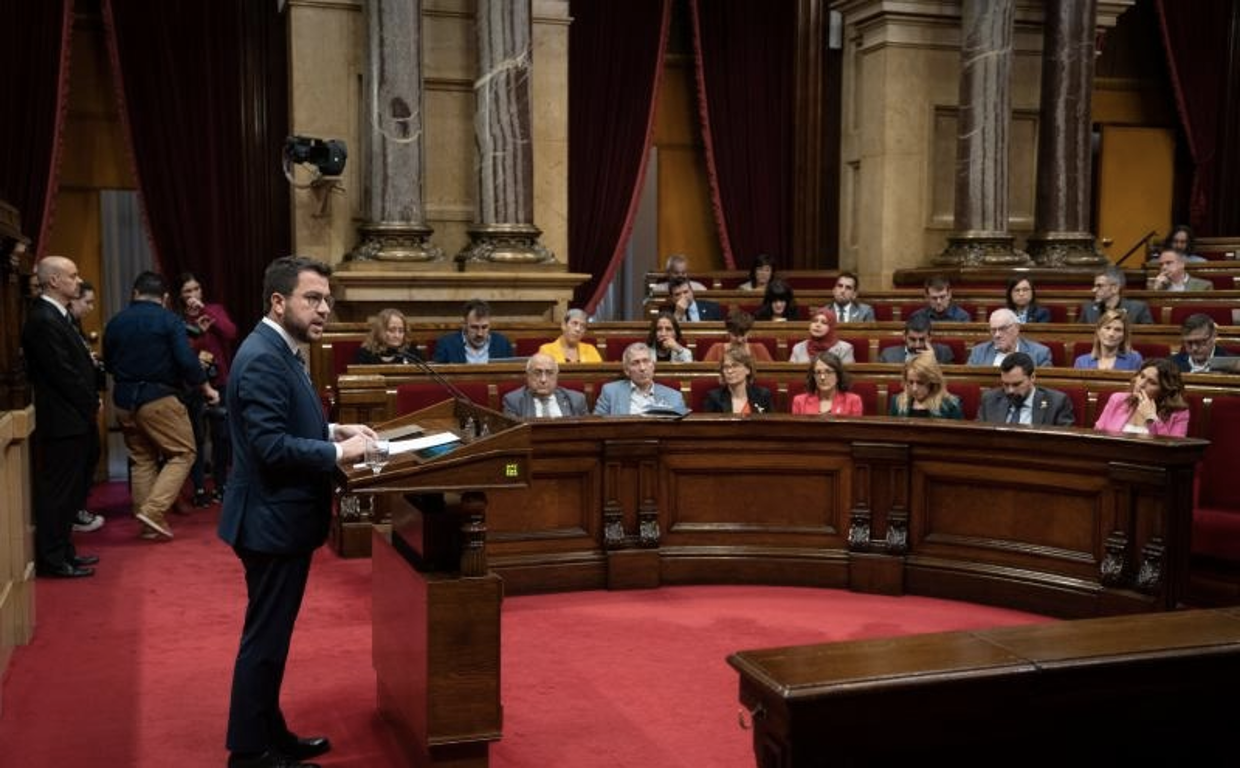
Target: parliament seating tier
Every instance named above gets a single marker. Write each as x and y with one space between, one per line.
1224 273
335 352
1059 521
1064 303
384 392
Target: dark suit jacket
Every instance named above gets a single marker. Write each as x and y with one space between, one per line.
450 348
708 310
61 372
942 353
719 400
520 403
1138 311
1181 358
279 491
1050 408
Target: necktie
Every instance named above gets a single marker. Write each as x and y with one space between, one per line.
540 406
301 360
843 314
1013 414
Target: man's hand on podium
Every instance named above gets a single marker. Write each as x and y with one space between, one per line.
352 440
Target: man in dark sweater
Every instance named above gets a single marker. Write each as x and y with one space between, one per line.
146 349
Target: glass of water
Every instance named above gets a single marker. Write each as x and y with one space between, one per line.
378 452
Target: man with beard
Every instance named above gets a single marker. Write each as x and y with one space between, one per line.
277 506
1018 400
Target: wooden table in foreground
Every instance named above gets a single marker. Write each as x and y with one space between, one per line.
1152 689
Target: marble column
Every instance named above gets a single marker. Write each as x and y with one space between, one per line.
1061 233
504 234
981 208
395 229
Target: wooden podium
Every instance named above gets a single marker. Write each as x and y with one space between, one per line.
435 612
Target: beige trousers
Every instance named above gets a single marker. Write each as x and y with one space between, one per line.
158 430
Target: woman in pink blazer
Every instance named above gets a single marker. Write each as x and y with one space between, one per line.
1155 406
827 385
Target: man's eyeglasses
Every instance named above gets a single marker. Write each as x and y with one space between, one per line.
1197 343
316 300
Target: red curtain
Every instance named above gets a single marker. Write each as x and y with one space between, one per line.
615 55
205 103
745 59
34 62
1198 37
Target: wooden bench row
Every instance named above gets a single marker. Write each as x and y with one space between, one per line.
1064 304
1224 273
377 393
373 394
334 353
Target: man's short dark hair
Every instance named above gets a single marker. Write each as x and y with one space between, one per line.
150 285
938 283
676 282
851 276
918 323
1018 360
478 307
282 274
1197 321
85 287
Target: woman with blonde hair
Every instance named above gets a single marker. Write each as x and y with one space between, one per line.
738 394
1112 345
925 393
1154 405
387 342
826 390
569 348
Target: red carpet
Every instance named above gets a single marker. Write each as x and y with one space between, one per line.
132 667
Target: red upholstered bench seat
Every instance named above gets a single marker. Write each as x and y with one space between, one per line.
1216 516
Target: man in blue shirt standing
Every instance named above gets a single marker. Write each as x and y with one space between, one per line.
146 349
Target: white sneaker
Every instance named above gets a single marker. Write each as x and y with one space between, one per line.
85 522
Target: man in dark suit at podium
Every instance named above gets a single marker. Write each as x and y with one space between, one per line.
277 507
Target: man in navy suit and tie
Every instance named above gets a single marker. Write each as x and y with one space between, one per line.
277 506
1018 399
686 308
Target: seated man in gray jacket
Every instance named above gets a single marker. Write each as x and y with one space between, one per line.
1005 339
638 393
1018 399
542 396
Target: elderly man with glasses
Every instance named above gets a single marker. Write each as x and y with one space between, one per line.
1005 339
542 396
